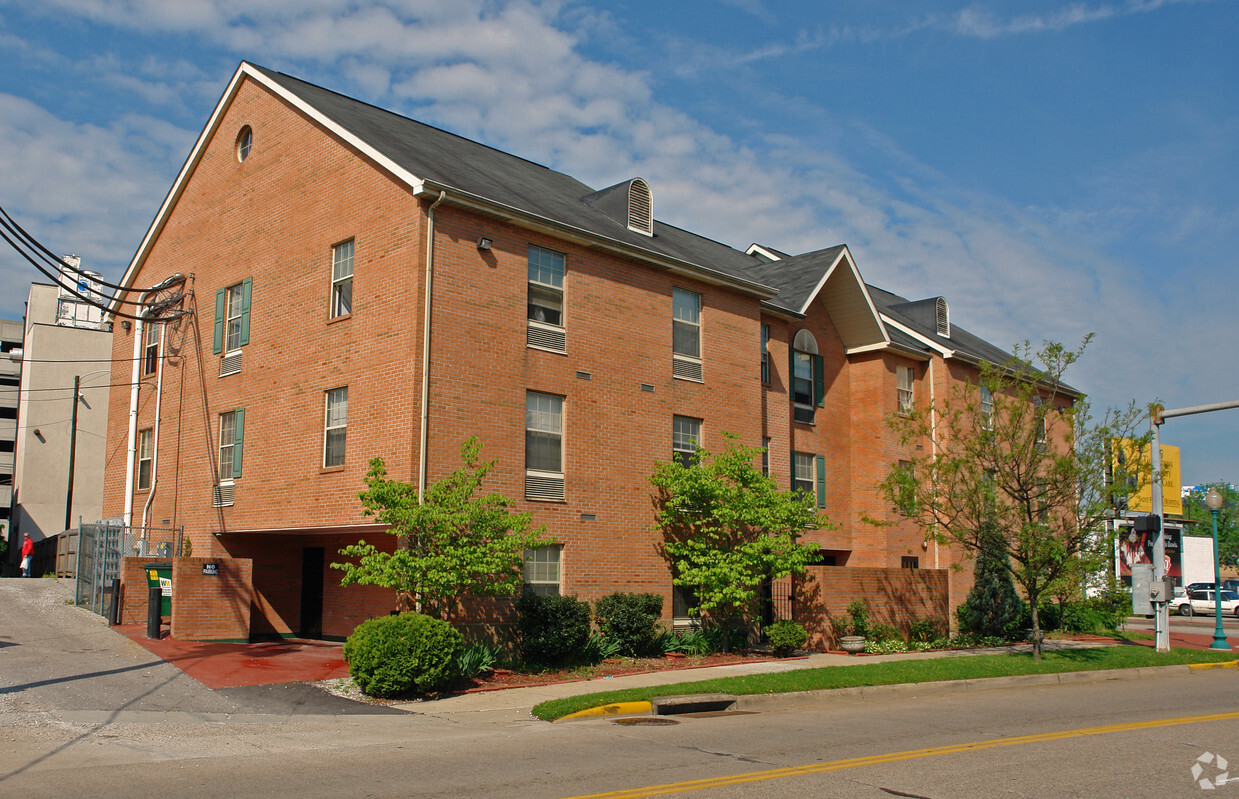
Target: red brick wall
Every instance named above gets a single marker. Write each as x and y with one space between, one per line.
134 589
211 607
894 596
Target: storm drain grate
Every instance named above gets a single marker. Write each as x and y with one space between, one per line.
646 721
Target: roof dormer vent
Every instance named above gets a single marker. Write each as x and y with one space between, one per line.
640 207
944 318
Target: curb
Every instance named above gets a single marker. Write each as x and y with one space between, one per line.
1224 664
617 709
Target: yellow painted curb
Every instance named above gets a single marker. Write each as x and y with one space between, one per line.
1221 664
617 709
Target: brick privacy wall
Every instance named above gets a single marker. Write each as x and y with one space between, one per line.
211 607
235 220
894 596
134 589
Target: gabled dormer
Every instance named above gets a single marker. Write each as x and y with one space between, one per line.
630 203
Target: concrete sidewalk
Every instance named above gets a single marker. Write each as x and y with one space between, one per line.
512 704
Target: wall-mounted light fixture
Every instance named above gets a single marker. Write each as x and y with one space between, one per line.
484 244
126 324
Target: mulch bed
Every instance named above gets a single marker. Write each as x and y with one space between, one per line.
612 667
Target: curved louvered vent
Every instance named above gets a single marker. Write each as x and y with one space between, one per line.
640 207
543 487
944 318
686 369
546 338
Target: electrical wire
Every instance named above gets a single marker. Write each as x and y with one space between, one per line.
21 232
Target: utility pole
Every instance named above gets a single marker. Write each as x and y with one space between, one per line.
77 386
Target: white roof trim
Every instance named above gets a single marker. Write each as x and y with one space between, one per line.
245 70
946 353
757 248
846 256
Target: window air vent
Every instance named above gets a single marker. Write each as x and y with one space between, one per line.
803 414
230 364
944 318
223 495
543 487
685 369
547 338
640 207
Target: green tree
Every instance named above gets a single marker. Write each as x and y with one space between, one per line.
1194 508
1021 453
993 607
458 541
727 528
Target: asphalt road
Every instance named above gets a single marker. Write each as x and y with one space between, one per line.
145 732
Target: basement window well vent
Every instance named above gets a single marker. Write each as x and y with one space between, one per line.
230 364
222 495
544 487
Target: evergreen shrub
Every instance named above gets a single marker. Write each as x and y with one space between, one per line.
409 653
553 630
786 637
630 621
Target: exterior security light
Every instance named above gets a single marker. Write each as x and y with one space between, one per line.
484 244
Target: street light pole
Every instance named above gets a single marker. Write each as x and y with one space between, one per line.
77 386
1214 500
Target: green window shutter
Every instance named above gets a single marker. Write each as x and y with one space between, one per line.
238 438
218 347
793 470
819 380
246 287
821 481
791 370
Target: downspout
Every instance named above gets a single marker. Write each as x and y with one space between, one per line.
150 496
425 423
132 446
933 441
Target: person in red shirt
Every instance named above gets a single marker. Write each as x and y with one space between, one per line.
27 554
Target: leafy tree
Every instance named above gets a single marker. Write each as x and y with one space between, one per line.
1022 454
457 541
992 607
1194 508
727 528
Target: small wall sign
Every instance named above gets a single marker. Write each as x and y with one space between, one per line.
210 569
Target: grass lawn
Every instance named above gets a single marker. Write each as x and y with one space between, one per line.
900 671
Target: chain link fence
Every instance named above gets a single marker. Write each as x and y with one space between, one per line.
92 555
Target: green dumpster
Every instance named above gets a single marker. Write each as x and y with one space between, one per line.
159 574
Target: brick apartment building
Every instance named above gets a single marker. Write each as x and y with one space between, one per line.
342 262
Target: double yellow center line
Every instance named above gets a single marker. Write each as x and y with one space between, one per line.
893 757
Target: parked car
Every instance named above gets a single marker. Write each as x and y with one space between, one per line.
1179 597
1199 587
1230 585
1202 603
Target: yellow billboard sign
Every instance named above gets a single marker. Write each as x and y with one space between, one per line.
1172 483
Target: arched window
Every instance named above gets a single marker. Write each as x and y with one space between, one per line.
808 385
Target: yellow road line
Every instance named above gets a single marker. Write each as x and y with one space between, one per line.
893 757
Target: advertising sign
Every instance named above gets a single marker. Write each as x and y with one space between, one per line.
1135 548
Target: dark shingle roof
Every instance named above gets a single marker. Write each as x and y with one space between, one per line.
795 277
484 172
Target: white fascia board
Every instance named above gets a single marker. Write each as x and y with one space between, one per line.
757 248
245 70
845 256
946 353
890 347
429 188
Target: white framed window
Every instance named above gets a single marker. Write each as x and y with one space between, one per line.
234 319
546 299
685 438
544 446
808 378
342 279
804 481
686 334
231 436
987 409
765 457
1039 411
150 349
903 388
245 142
542 570
684 603
335 426
146 453
765 353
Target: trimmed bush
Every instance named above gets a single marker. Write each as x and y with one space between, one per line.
409 653
630 621
885 632
926 630
554 630
785 637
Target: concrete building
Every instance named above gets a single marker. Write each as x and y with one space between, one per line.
64 339
361 285
10 379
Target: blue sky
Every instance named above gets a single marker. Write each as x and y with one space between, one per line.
1051 168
